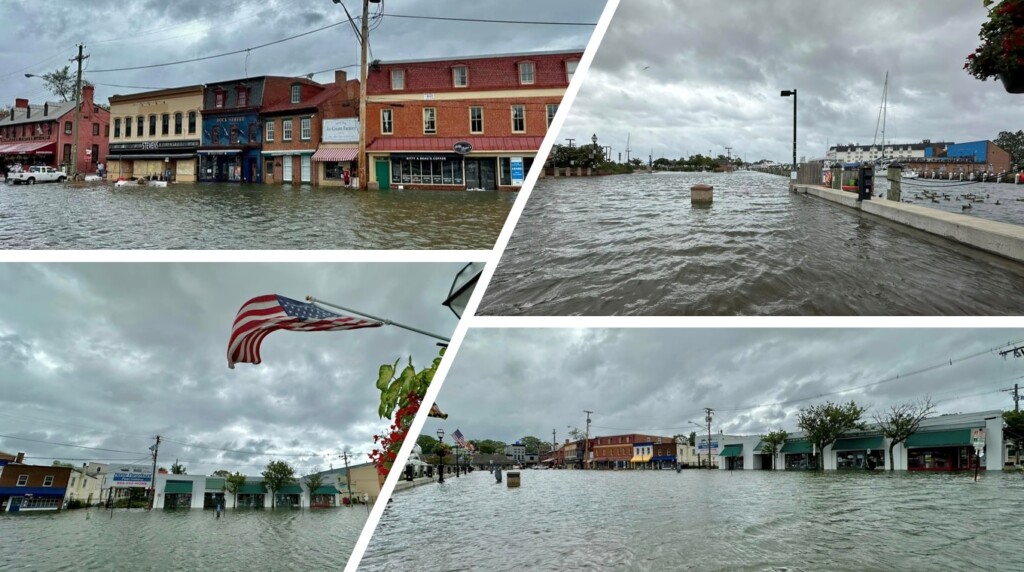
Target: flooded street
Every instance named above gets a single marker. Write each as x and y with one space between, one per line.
704 520
246 217
634 245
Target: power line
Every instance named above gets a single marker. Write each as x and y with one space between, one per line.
70 445
491 21
266 453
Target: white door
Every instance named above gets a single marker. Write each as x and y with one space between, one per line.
286 175
305 166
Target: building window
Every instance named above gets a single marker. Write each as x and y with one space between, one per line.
476 119
139 121
397 79
386 121
106 130
95 154
460 76
67 128
243 97
526 73
518 118
296 93
95 129
22 480
48 481
552 110
270 131
177 123
117 128
570 70
165 124
127 126
304 129
152 126
506 180
218 99
436 172
429 120
67 153
286 130
233 134
191 122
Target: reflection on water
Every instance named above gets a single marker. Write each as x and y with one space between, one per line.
92 539
246 217
634 245
704 520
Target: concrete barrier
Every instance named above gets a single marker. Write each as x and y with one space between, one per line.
1000 238
513 479
701 194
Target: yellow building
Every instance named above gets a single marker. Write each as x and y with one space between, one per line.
155 134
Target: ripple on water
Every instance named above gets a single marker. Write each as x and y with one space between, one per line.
633 245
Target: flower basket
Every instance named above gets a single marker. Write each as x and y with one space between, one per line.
1001 52
1014 83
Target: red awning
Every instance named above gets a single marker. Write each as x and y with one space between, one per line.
34 147
339 155
524 143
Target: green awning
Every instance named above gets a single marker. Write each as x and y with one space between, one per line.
290 490
252 489
950 438
326 490
215 484
759 450
177 487
858 443
731 451
797 447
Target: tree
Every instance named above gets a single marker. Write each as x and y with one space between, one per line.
693 438
427 444
902 421
1014 430
177 468
61 82
222 473
6 111
486 446
234 483
535 445
313 482
275 477
774 441
1012 143
576 434
823 424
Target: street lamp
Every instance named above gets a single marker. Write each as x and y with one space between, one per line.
787 93
462 288
440 455
593 150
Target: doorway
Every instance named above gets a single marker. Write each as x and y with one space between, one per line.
481 174
382 168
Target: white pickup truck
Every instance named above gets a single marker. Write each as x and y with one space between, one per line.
37 174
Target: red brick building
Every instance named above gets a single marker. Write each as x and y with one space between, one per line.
32 487
462 123
310 131
43 134
616 451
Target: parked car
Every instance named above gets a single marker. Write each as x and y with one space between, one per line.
37 174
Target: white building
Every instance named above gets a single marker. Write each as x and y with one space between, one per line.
516 452
200 491
84 487
854 153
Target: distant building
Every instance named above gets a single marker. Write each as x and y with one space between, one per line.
516 452
25 488
83 486
854 153
942 156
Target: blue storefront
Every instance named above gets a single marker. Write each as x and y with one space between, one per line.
230 150
19 499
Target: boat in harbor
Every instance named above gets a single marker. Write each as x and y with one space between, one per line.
909 174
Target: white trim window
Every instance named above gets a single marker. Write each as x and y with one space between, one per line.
552 109
476 119
22 481
397 80
570 70
518 118
305 129
429 120
527 73
269 130
48 481
387 121
460 76
297 93
286 129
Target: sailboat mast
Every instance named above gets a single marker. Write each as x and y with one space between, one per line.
885 108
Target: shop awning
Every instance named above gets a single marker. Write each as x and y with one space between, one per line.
286 152
214 484
32 147
150 157
759 450
636 459
335 155
858 443
326 490
525 143
664 458
178 487
290 490
949 438
797 447
252 489
219 151
731 451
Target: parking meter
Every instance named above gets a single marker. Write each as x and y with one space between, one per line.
866 184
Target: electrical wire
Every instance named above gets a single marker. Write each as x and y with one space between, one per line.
491 21
254 453
70 445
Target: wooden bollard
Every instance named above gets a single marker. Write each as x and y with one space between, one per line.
513 479
701 194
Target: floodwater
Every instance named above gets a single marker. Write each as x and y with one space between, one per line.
1010 198
95 539
705 520
246 217
634 245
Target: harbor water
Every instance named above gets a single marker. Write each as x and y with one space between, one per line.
246 217
705 520
634 245
96 539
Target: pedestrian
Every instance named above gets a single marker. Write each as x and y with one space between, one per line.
99 169
347 177
220 508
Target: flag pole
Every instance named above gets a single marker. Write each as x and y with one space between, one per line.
386 321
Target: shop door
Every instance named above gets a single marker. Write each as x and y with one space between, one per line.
268 168
16 504
383 169
286 173
304 166
481 174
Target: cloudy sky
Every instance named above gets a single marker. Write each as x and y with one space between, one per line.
505 384
120 34
716 70
110 355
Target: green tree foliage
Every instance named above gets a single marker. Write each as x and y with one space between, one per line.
275 477
693 438
535 445
576 434
222 473
1014 430
774 441
823 424
61 82
233 484
177 468
313 481
487 446
396 387
427 444
1012 143
902 421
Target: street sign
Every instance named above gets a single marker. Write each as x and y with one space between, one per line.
978 438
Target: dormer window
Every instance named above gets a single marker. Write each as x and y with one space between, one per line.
460 76
397 79
243 97
296 93
527 73
218 99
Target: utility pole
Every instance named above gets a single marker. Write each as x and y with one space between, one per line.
152 479
570 142
586 441
1016 398
364 41
708 414
348 478
78 114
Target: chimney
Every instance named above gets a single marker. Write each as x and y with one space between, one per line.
20 103
19 459
46 109
340 77
87 91
28 112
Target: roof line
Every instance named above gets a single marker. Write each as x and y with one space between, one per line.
484 56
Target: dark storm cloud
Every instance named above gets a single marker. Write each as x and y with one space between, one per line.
108 355
42 36
715 69
505 384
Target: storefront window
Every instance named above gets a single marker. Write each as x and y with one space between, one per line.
801 462
860 459
336 170
442 171
506 169
941 459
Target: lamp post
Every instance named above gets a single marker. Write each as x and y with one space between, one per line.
462 288
440 455
458 466
593 151
787 93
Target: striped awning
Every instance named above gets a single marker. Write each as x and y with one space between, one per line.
335 155
40 147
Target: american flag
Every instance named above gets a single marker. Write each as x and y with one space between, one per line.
264 314
457 435
435 411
